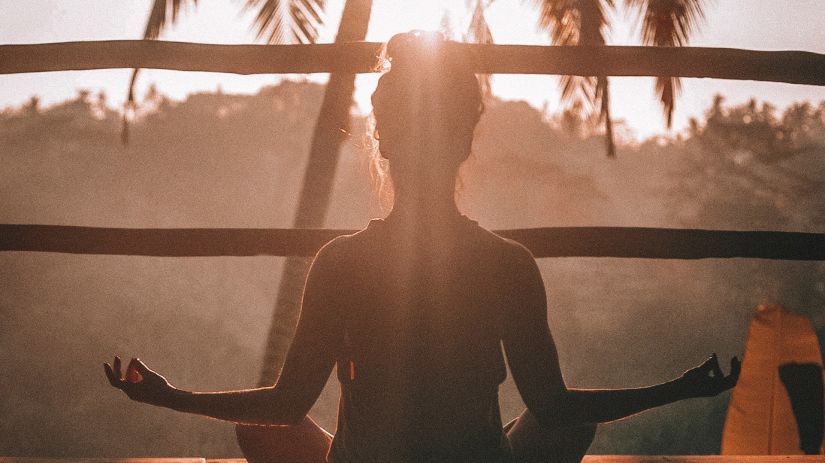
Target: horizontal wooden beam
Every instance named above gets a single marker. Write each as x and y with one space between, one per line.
798 67
628 242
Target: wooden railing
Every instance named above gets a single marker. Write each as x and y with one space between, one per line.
797 67
631 242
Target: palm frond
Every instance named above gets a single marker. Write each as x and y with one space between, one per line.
163 12
581 22
667 89
269 21
574 22
668 23
278 21
479 32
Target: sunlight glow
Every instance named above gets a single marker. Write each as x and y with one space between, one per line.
511 21
390 18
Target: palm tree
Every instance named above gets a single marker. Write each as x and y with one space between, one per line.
313 202
665 23
301 24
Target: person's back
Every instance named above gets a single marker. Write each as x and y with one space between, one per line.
421 322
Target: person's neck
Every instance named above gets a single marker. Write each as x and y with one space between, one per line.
424 209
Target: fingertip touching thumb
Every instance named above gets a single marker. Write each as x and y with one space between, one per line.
135 370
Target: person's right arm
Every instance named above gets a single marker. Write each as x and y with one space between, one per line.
534 364
308 365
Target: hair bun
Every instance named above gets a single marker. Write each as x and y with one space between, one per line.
414 48
429 91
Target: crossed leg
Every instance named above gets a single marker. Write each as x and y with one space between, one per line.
532 443
308 443
305 442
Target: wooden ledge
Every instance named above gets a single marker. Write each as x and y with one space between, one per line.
587 459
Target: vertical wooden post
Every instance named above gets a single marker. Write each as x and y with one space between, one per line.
313 203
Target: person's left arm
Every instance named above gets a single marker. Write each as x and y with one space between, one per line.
534 364
306 369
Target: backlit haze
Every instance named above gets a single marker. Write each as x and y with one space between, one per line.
755 24
237 158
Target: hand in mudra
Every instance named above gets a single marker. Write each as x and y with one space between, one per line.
139 383
707 379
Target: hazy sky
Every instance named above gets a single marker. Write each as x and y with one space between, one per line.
754 24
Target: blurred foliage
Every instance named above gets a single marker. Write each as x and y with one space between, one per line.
748 158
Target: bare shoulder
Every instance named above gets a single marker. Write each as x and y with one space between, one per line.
340 250
508 250
515 267
334 251
518 274
519 252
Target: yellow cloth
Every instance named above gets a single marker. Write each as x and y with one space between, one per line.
760 420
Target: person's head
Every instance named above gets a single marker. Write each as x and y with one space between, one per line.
426 108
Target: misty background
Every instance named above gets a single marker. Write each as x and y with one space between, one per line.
222 160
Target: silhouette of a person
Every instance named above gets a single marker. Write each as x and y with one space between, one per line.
414 311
